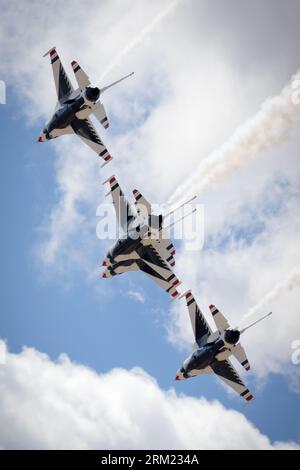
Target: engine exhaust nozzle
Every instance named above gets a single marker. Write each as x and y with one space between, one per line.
232 336
92 94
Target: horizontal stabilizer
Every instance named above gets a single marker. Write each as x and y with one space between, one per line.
100 114
240 355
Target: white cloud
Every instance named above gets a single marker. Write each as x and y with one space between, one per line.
268 128
136 295
288 284
62 405
77 168
140 37
150 109
72 219
186 98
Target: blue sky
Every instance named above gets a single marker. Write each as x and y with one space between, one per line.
64 310
100 333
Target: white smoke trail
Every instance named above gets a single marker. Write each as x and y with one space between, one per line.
140 37
269 127
292 282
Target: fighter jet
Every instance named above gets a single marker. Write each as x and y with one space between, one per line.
144 243
74 107
211 350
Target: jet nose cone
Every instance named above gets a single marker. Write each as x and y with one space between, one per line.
104 275
177 377
104 263
40 139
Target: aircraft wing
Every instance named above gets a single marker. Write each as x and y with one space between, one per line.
63 85
166 248
200 326
87 133
167 251
195 372
123 209
157 269
226 372
146 259
220 320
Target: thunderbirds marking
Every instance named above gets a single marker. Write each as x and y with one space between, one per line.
74 107
211 350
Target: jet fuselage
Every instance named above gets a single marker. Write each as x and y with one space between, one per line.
127 244
123 246
62 118
200 359
79 107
